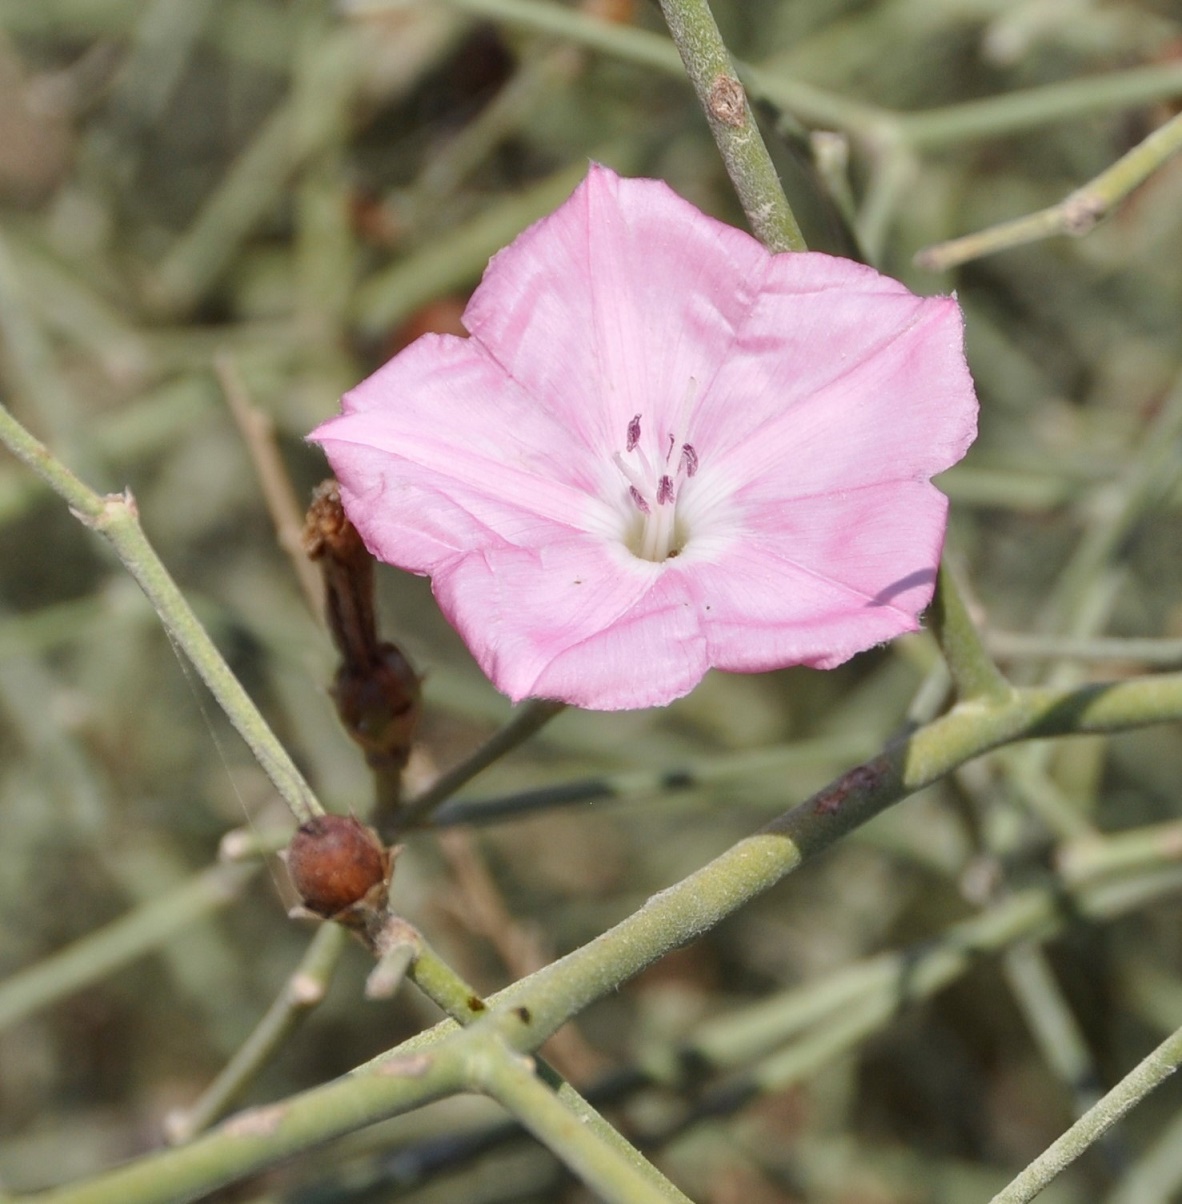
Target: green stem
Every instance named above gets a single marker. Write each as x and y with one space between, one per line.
1164 652
303 991
114 517
1076 215
1133 1088
779 1041
433 1063
603 1157
633 783
530 718
267 1134
1029 108
105 950
699 902
715 80
973 671
612 1169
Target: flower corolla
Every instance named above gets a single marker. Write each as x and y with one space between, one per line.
663 449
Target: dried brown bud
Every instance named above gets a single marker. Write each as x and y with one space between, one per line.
327 529
336 862
375 689
379 706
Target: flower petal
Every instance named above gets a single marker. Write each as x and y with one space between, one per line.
811 398
439 452
821 579
576 622
877 390
622 302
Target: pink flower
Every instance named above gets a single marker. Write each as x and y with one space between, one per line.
663 449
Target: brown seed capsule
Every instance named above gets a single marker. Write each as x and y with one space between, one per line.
334 862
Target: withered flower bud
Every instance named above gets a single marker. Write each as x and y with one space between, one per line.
336 862
375 689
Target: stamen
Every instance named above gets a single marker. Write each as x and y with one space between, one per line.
638 485
656 534
633 434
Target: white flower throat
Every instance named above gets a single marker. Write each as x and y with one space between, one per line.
655 532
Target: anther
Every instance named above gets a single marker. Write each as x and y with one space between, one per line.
633 434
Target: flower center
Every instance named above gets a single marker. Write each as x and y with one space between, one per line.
653 488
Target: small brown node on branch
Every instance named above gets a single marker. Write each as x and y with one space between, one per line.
257 1122
726 101
1082 212
341 869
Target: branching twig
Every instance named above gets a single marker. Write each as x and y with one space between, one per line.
1077 214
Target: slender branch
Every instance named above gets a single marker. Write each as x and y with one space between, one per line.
1077 214
303 991
616 1172
1133 1088
697 903
115 518
973 671
531 717
632 783
105 950
258 433
1051 1022
1028 108
267 1134
715 80
1024 645
781 1040
432 1063
603 1157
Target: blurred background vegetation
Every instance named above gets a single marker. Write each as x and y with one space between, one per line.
301 190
